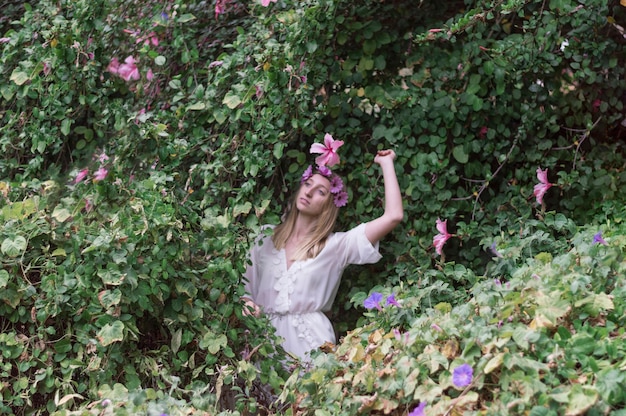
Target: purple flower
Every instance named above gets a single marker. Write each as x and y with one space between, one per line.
105 403
307 174
391 300
597 239
462 375
373 301
419 410
341 199
323 170
494 250
336 184
436 327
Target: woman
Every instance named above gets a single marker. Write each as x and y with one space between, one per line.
295 273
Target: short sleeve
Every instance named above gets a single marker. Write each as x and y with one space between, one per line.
356 248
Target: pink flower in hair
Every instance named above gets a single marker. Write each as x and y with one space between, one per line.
341 199
307 174
440 239
542 187
324 171
328 150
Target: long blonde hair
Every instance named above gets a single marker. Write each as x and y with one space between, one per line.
316 239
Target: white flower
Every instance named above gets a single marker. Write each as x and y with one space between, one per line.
564 45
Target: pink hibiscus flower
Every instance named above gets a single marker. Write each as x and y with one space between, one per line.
128 70
328 150
440 239
81 175
114 66
542 187
100 174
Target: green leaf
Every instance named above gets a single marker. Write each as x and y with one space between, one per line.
160 60
4 278
19 77
176 340
212 342
111 333
196 106
14 246
581 398
109 298
60 214
187 17
460 154
66 125
231 101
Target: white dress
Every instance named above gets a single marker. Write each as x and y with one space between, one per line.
295 299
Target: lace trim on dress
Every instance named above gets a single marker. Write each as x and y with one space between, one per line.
304 331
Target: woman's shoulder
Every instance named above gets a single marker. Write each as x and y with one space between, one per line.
351 233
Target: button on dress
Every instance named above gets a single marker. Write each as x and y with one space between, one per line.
296 298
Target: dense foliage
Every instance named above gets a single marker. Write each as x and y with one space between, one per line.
145 143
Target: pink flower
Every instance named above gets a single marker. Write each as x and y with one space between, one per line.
150 74
5 40
114 66
259 91
88 204
128 70
328 150
219 8
103 157
100 174
440 239
542 187
266 3
341 199
81 175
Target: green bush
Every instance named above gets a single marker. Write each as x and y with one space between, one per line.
134 279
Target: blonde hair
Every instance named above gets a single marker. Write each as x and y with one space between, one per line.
315 241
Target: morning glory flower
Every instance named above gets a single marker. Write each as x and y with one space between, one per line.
373 301
597 239
462 375
391 300
419 410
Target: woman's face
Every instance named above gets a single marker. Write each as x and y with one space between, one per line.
313 194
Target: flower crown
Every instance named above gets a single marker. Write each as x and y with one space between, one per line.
340 196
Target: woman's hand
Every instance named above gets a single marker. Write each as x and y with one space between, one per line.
384 155
250 308
394 212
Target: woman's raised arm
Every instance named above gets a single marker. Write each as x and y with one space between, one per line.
376 229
